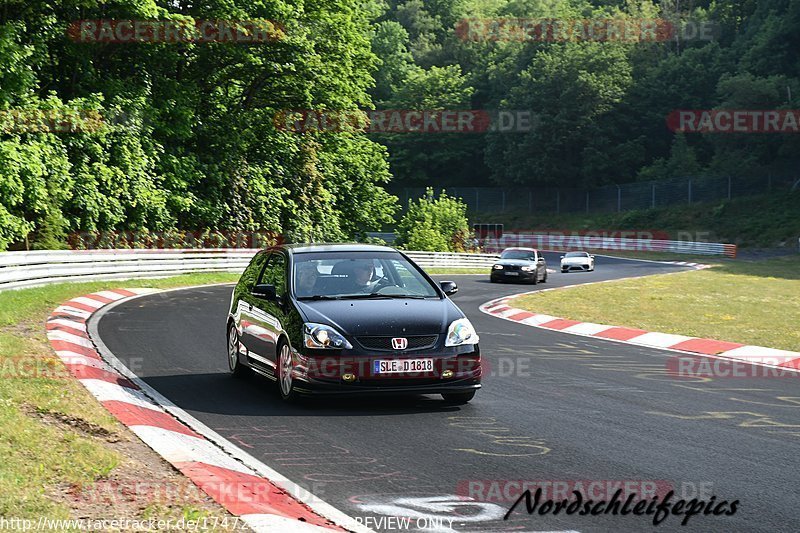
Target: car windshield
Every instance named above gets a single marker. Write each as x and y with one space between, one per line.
577 254
518 254
356 275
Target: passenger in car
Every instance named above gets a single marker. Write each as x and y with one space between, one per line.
307 275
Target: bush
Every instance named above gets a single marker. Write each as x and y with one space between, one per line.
428 240
434 224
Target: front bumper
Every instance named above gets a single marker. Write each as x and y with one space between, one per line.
456 370
311 388
521 275
570 267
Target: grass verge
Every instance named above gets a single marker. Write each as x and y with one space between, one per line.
665 256
456 271
54 436
754 302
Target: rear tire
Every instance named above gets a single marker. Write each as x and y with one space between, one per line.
458 398
236 367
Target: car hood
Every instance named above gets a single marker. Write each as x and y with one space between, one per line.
515 262
390 317
575 260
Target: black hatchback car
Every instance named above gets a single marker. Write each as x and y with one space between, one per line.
350 319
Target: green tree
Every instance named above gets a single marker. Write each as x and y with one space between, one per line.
188 139
390 43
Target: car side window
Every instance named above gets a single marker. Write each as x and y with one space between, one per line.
275 273
253 270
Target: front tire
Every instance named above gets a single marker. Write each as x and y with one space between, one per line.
544 279
236 367
458 398
285 379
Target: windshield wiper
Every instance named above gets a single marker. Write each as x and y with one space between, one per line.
377 295
319 297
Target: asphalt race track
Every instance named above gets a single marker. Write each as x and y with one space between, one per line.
554 407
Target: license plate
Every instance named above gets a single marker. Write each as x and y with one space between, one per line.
401 366
512 273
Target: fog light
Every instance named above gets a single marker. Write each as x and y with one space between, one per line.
348 377
447 374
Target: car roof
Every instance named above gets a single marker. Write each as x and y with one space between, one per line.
332 247
523 249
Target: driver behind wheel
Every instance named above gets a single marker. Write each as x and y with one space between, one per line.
362 274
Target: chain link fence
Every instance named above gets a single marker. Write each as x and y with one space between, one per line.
610 198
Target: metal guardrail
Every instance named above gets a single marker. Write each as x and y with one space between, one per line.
587 242
31 269
452 260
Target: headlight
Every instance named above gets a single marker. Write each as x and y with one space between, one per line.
527 269
498 267
320 336
461 332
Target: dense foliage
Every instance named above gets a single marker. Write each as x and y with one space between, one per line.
602 105
188 139
186 136
436 224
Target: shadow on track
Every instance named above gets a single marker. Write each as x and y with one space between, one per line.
257 396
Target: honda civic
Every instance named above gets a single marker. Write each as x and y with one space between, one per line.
346 319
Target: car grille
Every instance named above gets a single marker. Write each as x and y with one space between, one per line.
511 267
415 342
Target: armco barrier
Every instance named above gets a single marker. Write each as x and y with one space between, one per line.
562 242
30 269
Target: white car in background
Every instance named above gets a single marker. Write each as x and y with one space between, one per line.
581 261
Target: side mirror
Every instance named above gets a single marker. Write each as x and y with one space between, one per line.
562 257
448 287
264 291
541 259
591 257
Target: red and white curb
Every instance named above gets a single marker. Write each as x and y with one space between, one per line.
261 497
758 355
